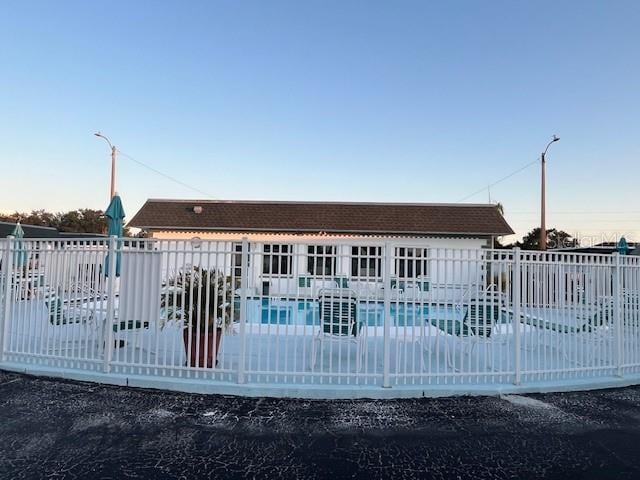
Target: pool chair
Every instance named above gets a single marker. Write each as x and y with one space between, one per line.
472 323
125 332
338 323
80 292
587 322
304 282
398 285
410 287
62 315
590 324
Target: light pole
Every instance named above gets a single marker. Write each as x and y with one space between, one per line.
543 219
113 163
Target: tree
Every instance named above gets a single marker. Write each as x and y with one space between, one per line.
36 217
555 239
83 220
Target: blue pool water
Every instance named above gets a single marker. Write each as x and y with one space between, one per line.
307 312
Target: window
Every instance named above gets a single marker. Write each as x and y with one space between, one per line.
412 262
366 262
277 259
321 260
237 259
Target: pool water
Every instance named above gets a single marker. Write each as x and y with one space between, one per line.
307 312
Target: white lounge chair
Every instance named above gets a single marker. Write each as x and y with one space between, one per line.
338 323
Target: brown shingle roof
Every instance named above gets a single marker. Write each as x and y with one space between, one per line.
328 217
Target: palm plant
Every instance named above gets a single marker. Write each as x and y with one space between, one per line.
197 296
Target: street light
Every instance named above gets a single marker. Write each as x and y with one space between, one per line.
113 163
543 220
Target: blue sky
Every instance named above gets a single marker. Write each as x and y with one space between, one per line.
326 100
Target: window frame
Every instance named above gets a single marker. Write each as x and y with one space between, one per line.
327 257
371 259
236 259
417 263
281 258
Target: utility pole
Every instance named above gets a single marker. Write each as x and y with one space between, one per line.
114 154
113 171
543 206
543 196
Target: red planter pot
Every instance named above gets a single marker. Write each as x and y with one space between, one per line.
198 344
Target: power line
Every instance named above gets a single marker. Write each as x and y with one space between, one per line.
169 177
524 167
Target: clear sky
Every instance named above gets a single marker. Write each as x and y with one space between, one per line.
408 101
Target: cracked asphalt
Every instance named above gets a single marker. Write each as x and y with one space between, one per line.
58 429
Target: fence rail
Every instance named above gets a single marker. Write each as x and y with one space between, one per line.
333 314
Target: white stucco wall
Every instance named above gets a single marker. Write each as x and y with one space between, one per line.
441 270
435 242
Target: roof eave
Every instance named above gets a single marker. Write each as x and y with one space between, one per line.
302 230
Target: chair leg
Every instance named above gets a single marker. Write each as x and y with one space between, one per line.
365 349
466 351
448 349
361 352
423 352
489 364
314 351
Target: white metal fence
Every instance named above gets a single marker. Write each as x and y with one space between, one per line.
338 314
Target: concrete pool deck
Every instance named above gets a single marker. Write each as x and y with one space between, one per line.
277 361
63 429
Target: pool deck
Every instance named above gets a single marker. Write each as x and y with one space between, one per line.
277 358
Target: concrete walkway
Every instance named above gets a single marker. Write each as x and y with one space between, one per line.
57 429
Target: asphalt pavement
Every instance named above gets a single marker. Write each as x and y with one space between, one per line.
61 429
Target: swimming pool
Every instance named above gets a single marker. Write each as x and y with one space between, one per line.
307 312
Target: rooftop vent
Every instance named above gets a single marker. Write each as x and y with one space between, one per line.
197 209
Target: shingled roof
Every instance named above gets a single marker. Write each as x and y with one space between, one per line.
38 231
321 217
30 231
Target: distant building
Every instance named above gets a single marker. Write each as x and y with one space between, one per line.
306 246
603 248
37 231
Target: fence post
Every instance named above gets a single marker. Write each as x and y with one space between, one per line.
109 320
7 271
386 373
617 317
244 273
516 298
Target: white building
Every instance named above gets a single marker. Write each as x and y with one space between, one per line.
296 248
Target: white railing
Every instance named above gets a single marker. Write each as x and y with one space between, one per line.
346 318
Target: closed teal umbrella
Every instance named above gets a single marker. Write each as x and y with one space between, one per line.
622 247
115 221
20 255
